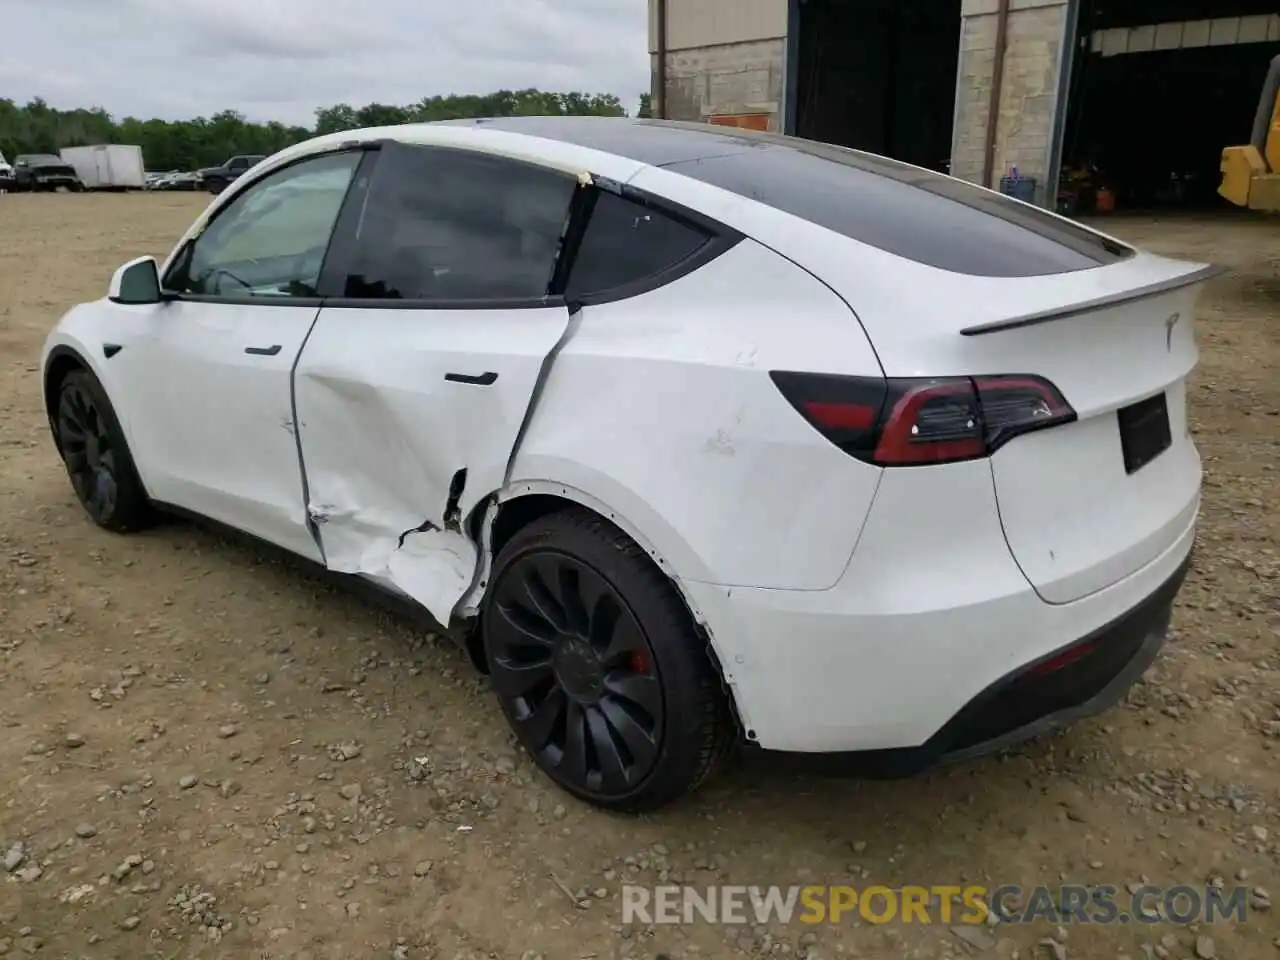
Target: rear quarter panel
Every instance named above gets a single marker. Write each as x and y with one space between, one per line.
661 406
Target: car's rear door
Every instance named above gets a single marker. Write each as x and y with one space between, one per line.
416 380
206 383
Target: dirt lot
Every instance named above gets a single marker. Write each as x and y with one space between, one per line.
207 751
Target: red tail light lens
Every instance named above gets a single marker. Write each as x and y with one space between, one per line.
904 422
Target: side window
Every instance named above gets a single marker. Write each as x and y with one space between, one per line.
270 241
446 224
237 164
628 242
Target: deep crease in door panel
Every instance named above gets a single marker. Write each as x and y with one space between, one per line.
380 532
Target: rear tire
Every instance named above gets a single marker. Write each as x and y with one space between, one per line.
600 669
96 456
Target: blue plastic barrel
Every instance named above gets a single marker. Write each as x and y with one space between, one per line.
1020 188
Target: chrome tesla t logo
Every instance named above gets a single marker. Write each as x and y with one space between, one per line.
1168 331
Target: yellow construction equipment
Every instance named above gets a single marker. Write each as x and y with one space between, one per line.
1251 174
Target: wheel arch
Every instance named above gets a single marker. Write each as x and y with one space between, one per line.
61 361
65 355
517 506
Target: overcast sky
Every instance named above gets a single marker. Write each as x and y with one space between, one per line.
280 59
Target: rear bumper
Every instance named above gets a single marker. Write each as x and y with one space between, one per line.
928 647
1081 680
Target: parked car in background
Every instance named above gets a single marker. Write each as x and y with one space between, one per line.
689 435
44 171
6 175
111 166
216 179
155 176
176 181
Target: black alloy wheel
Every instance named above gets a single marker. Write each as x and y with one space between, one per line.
598 667
87 451
96 456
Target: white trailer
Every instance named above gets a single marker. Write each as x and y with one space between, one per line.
114 166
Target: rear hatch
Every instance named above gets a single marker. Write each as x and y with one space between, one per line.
1088 502
1084 504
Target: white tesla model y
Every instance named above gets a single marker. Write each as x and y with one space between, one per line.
692 436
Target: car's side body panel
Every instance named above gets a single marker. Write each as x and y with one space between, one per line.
408 419
661 405
210 425
87 333
208 389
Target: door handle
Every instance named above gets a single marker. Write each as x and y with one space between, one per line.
270 351
480 380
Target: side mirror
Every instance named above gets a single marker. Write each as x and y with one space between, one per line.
137 283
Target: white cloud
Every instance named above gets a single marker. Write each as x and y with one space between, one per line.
280 59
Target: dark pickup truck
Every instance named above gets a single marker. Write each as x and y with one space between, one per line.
44 171
216 179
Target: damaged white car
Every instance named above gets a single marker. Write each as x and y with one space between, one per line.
693 436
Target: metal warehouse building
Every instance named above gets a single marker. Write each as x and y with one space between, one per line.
1144 93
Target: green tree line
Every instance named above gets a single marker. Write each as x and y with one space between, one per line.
205 141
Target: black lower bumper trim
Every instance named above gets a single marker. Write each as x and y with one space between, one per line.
1076 681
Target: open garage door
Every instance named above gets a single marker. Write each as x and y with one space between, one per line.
879 75
1158 90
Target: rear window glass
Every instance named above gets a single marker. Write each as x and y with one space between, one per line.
903 210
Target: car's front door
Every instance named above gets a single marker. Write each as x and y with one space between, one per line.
417 378
207 385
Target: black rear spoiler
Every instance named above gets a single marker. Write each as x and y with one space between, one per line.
1099 303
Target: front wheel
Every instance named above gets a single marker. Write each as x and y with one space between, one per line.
96 456
599 668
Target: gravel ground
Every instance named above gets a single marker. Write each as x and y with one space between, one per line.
206 750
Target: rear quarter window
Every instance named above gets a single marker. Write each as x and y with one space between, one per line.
629 242
912 213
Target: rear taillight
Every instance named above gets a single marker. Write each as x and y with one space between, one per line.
904 422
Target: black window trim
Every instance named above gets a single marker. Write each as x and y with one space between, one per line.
720 239
184 252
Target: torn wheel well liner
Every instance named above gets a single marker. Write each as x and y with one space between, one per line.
513 516
516 514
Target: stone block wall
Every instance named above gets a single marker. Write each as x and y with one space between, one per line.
730 78
1028 99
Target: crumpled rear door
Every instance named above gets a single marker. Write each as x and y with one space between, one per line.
408 418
